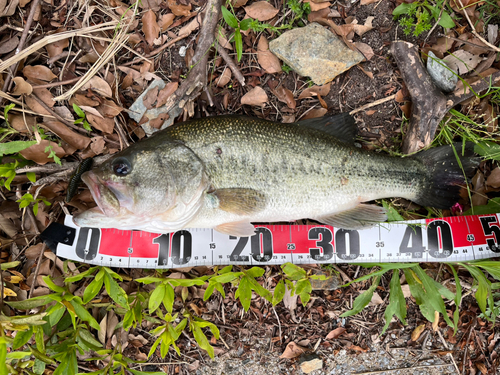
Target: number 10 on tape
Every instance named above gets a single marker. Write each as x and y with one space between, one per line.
451 239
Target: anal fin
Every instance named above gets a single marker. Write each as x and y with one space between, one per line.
360 217
236 228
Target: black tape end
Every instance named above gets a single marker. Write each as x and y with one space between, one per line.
57 233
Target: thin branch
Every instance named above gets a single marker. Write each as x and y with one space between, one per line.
229 61
475 32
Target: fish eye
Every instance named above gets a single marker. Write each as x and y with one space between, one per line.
121 167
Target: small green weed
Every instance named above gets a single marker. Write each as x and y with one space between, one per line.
81 118
27 199
415 17
298 9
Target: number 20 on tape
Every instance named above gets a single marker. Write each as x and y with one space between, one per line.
460 238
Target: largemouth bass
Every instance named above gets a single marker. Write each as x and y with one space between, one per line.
228 172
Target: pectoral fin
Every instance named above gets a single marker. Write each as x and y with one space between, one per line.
360 217
239 201
237 228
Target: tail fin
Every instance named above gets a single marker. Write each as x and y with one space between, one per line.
446 175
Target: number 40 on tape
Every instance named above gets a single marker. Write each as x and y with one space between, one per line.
450 239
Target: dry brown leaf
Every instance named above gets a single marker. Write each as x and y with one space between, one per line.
91 110
9 45
417 332
462 61
150 4
261 10
179 9
37 152
105 124
80 100
315 90
256 96
22 123
22 87
98 85
97 145
76 140
292 350
35 106
165 93
318 6
318 16
191 26
101 334
224 78
150 27
239 3
493 179
165 21
33 252
481 367
112 323
284 95
365 2
38 73
267 60
8 8
365 49
314 113
158 122
335 333
435 323
109 108
56 48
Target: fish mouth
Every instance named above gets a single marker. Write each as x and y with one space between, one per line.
106 200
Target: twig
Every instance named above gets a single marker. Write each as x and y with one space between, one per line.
472 326
60 83
229 61
401 369
8 80
475 32
342 273
372 104
37 269
55 114
279 323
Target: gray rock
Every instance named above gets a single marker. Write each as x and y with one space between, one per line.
442 75
315 52
138 110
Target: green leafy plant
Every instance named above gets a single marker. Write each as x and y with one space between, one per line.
298 8
233 22
415 17
81 118
52 154
27 199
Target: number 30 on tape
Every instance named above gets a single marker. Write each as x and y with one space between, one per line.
450 239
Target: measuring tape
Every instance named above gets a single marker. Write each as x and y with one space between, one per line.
450 239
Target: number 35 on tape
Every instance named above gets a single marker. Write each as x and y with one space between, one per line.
450 239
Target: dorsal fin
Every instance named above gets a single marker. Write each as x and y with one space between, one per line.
342 126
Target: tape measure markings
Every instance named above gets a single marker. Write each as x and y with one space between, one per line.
451 239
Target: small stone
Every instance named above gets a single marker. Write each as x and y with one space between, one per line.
442 75
331 283
310 362
315 52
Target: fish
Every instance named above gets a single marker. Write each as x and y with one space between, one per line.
230 172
